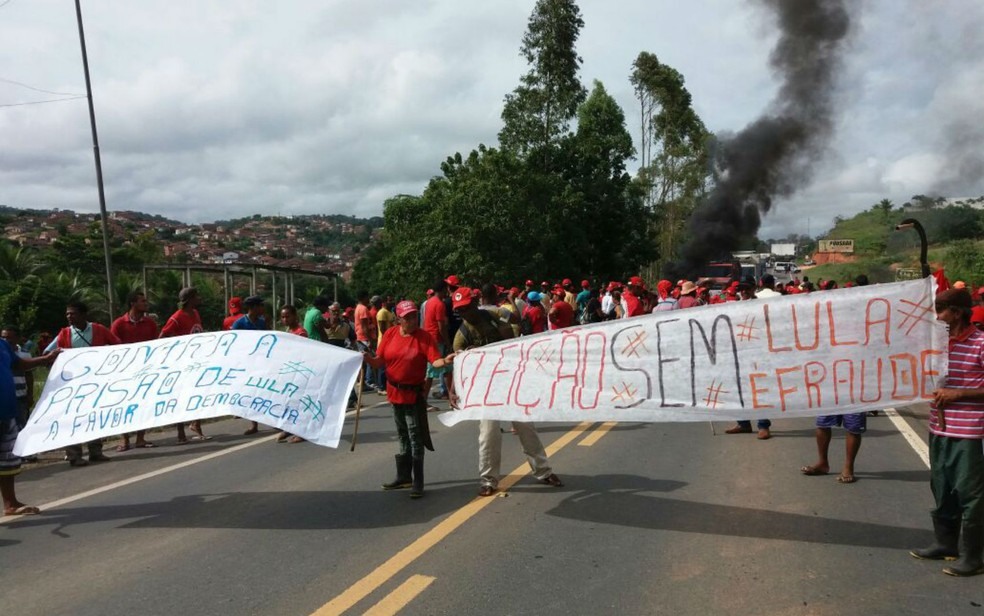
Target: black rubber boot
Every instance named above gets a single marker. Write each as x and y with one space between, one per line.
971 547
402 474
945 546
418 478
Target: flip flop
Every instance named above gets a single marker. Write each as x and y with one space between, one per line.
22 510
145 445
201 437
846 479
122 448
813 471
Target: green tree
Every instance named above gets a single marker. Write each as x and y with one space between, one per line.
673 151
885 207
537 114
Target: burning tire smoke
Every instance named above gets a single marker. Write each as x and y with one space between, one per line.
773 156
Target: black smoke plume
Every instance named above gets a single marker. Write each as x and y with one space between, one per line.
773 156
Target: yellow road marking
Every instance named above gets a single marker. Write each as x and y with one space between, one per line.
384 572
399 598
595 436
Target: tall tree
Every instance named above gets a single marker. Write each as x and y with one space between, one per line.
673 149
537 114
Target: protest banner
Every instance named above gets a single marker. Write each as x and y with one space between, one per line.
278 379
827 353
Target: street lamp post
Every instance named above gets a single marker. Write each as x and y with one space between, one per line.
99 178
912 223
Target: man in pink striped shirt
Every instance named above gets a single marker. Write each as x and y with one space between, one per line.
956 429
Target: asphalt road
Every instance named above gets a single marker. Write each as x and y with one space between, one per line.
654 519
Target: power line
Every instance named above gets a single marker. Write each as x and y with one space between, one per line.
54 100
24 85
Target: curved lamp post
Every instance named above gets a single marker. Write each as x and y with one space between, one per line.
912 223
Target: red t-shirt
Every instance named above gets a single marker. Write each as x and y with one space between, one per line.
538 320
633 305
563 315
229 320
300 331
434 313
406 360
363 333
182 323
129 331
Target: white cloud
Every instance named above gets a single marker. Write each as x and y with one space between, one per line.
211 110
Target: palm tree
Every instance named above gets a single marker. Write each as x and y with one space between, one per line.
17 263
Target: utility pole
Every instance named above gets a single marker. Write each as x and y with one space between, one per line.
99 177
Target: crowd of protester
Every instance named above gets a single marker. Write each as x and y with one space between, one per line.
409 350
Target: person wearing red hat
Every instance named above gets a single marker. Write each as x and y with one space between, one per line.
569 296
561 314
407 352
632 298
436 322
480 327
977 317
665 301
581 302
235 311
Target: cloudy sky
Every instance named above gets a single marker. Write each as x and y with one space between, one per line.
212 109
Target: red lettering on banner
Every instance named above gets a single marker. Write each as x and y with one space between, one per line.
833 328
758 390
927 372
814 374
816 329
878 380
600 353
526 406
495 371
840 380
563 376
785 390
906 374
471 387
886 319
768 333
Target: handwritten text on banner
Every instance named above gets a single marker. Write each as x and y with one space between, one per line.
277 379
832 352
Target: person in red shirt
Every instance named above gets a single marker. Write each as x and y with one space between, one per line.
561 314
406 351
184 321
534 315
235 311
135 326
632 297
291 322
436 324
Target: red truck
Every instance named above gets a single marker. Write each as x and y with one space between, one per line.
720 274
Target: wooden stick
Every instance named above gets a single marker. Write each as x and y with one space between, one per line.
358 407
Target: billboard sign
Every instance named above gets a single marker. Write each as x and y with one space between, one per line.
837 246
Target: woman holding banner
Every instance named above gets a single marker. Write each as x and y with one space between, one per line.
405 351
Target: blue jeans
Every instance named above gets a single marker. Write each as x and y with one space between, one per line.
762 424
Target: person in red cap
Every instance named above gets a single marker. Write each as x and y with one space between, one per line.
436 322
632 298
569 296
665 301
561 314
977 317
406 351
480 327
581 302
235 311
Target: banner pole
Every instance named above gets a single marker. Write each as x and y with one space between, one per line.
358 408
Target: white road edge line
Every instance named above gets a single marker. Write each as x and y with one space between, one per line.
161 471
917 444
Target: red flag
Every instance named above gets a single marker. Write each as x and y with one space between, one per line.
942 284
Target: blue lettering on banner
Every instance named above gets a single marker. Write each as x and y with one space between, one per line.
267 341
214 376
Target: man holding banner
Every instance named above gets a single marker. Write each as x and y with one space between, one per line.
82 333
479 328
956 429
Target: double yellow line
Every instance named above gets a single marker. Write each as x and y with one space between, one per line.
399 561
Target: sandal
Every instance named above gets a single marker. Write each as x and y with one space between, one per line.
22 510
145 445
123 447
282 437
846 479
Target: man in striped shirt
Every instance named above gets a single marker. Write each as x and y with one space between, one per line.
956 429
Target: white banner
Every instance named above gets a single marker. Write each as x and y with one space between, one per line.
277 379
825 353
